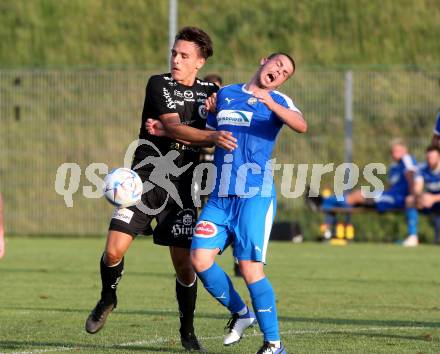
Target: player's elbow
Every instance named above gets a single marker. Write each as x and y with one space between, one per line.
300 126
303 128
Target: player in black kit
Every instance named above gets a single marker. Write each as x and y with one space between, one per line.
166 167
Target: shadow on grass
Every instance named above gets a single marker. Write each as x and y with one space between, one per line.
320 320
424 337
61 347
165 313
369 281
71 271
360 322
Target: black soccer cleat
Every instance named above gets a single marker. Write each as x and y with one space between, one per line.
268 348
191 343
98 316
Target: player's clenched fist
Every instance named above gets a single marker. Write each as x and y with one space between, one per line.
155 127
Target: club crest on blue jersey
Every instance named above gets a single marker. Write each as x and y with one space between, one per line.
252 100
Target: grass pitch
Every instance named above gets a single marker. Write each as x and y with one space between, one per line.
363 298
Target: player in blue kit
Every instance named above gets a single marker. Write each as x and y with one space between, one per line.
428 184
401 175
242 205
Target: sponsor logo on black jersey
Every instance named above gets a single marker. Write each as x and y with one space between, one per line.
203 83
178 93
169 101
184 224
188 94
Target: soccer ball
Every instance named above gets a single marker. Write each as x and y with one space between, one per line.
122 187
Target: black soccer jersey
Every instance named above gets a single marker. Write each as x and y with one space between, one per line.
164 95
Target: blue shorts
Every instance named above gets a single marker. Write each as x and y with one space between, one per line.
245 222
388 201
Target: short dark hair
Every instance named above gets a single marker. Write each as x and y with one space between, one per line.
273 55
213 78
433 148
199 37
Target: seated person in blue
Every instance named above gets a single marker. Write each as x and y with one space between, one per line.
401 175
436 132
427 187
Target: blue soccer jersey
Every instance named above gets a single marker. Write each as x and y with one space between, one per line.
394 197
242 207
437 125
247 170
396 175
431 178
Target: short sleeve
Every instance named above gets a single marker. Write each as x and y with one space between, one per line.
419 175
437 125
285 101
159 96
409 163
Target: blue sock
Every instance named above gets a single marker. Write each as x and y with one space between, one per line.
333 202
218 284
412 220
330 219
263 300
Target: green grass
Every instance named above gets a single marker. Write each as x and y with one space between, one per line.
47 33
355 299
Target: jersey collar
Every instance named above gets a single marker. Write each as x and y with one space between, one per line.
243 88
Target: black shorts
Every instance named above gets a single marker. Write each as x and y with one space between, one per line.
175 224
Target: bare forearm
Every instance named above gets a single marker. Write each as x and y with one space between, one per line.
186 142
292 119
171 126
188 134
435 198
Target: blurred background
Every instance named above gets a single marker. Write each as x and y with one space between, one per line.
73 76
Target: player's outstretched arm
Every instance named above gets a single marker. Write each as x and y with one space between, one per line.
427 200
188 135
155 127
292 119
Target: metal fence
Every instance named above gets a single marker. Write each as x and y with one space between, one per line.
48 118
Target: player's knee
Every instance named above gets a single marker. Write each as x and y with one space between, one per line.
185 273
251 271
112 257
200 263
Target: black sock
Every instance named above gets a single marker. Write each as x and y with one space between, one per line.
186 299
110 277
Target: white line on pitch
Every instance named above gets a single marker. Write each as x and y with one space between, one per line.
161 340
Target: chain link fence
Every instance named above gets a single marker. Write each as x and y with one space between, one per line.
48 118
